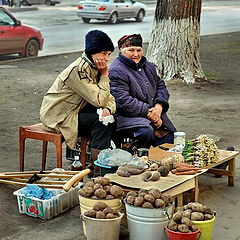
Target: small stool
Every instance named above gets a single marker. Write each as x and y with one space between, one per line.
37 132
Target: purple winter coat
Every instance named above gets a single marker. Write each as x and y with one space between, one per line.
136 88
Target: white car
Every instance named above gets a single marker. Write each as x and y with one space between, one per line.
111 10
35 2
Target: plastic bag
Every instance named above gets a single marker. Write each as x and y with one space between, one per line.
114 157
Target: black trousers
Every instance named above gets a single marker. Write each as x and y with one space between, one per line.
99 134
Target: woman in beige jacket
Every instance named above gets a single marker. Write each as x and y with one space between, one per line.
70 104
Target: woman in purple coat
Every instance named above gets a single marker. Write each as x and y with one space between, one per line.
141 96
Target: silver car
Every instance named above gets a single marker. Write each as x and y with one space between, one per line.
111 10
34 2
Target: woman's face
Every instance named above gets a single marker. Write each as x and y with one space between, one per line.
134 53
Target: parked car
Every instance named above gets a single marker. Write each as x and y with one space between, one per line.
38 2
111 10
18 38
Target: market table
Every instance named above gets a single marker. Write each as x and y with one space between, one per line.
176 185
228 157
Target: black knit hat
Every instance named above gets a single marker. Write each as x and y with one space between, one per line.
97 41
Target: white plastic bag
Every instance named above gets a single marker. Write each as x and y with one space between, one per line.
114 157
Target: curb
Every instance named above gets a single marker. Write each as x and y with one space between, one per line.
21 9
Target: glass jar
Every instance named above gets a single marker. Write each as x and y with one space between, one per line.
180 138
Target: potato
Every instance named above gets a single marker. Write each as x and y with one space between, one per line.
99 180
138 202
135 166
146 176
189 205
197 216
122 173
90 213
165 199
147 205
177 209
155 176
155 192
159 203
187 213
208 210
177 216
100 215
94 197
86 192
134 171
107 210
109 216
132 193
197 207
105 181
99 206
186 221
208 216
143 191
109 196
130 200
97 186
116 191
100 193
193 228
107 189
163 171
142 194
89 184
153 167
149 198
183 228
170 198
173 225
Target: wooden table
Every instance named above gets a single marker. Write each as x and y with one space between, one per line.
176 185
228 157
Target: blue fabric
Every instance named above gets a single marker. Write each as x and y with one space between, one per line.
136 88
35 191
144 137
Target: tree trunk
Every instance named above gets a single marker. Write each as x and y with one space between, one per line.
175 38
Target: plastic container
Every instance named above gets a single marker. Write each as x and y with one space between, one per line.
104 169
88 203
172 235
206 228
47 209
146 223
105 229
180 139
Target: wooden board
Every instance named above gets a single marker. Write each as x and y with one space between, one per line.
157 154
163 184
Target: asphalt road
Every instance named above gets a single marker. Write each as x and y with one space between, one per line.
64 31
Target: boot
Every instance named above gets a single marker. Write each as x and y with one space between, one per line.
95 171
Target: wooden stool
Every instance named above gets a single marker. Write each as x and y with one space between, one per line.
37 132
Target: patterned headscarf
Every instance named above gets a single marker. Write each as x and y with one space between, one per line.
130 41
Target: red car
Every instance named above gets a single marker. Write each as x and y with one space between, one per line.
18 38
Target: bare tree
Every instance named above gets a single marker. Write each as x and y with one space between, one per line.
175 38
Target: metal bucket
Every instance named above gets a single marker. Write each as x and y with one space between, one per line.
88 203
97 229
147 223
